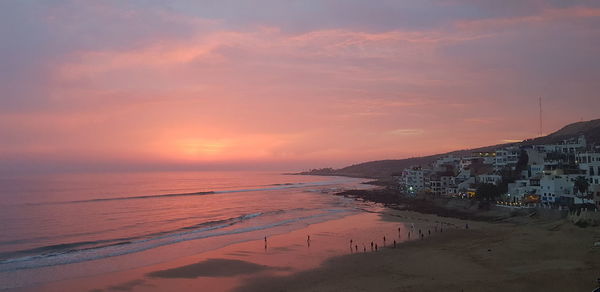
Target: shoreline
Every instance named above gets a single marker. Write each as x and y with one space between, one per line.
513 255
542 255
244 217
226 268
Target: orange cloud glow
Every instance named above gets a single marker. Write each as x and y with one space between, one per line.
174 87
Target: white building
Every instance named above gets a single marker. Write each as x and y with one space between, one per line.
572 145
465 163
507 157
553 186
463 175
466 185
446 163
535 156
520 188
533 171
486 157
590 163
489 179
414 179
435 185
441 184
448 184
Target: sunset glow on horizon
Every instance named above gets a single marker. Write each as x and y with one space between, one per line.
286 85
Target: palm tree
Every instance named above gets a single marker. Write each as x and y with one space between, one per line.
581 185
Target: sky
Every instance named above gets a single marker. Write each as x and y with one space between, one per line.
101 85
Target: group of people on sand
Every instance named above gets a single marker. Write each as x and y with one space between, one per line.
438 227
421 233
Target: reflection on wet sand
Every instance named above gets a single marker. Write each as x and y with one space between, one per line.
212 268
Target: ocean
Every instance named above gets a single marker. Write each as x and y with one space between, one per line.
53 227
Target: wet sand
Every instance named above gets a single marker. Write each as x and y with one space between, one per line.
234 266
211 268
529 256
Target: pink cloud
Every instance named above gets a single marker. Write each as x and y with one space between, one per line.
262 93
547 15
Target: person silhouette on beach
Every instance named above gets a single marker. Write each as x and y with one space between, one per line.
384 240
265 243
356 247
467 226
376 247
364 248
409 235
429 232
371 246
350 243
394 243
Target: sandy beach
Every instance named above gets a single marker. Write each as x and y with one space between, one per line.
533 255
530 256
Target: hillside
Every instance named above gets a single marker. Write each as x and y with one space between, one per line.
591 130
387 168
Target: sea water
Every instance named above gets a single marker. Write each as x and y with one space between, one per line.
53 227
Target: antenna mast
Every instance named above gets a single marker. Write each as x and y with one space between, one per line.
541 133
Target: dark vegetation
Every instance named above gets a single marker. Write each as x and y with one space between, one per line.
488 192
